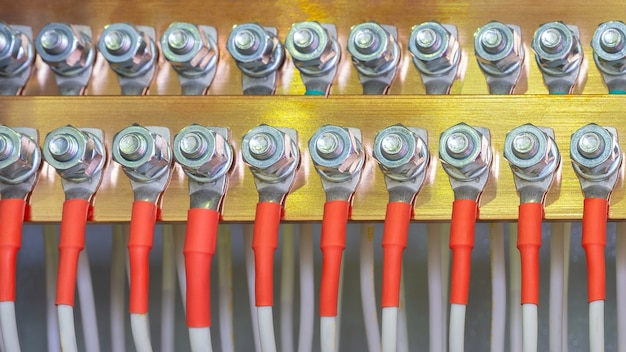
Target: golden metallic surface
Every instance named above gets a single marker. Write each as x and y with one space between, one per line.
498 113
223 14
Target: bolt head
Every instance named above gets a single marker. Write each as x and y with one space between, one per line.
374 50
595 152
271 153
551 40
261 146
427 40
190 49
313 49
66 48
144 155
75 154
203 152
117 42
557 48
20 158
434 48
531 152
129 50
498 48
609 47
464 152
328 145
400 152
337 152
256 50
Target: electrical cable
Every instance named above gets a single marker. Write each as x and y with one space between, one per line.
248 234
557 291
620 269
225 281
498 287
179 245
529 327
339 304
87 303
307 289
444 236
168 290
140 327
457 327
368 288
287 287
515 292
200 339
436 317
118 289
403 333
66 327
52 263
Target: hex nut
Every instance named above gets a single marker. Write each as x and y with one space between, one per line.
136 54
540 161
507 56
603 164
20 156
473 162
151 156
280 162
411 158
199 52
347 158
78 154
385 53
74 52
568 55
611 61
320 54
204 154
17 52
442 56
265 54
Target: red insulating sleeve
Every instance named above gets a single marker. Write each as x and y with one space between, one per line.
200 242
264 243
595 214
464 214
395 234
142 222
71 242
332 243
11 220
528 243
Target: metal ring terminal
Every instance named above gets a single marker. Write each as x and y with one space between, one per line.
17 55
337 153
204 154
144 155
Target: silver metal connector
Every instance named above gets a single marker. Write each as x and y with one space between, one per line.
338 156
609 53
402 154
20 160
315 52
259 54
559 54
193 53
375 54
70 53
500 55
132 53
436 55
17 55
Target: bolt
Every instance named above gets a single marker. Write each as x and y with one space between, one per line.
63 147
261 146
525 145
492 41
328 145
6 148
117 42
552 40
305 40
133 146
366 41
459 145
193 146
427 40
246 42
180 41
3 41
590 145
53 41
393 147
612 40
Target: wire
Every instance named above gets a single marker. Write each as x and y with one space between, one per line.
50 240
87 304
368 288
529 328
564 302
168 290
286 287
118 287
179 246
140 327
557 277
198 338
266 328
390 328
596 326
457 328
620 265
225 279
498 288
307 289
66 328
339 305
403 334
8 325
528 243
515 292
248 231
436 317
444 236
328 333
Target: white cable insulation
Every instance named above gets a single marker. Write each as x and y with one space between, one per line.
567 230
498 287
390 328
368 288
266 329
328 334
168 290
596 326
620 269
555 325
200 340
436 318
529 328
456 338
307 289
287 287
126 233
8 325
225 283
118 289
66 328
403 333
339 303
444 233
87 303
180 230
515 292
2 342
140 327
51 248
248 232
